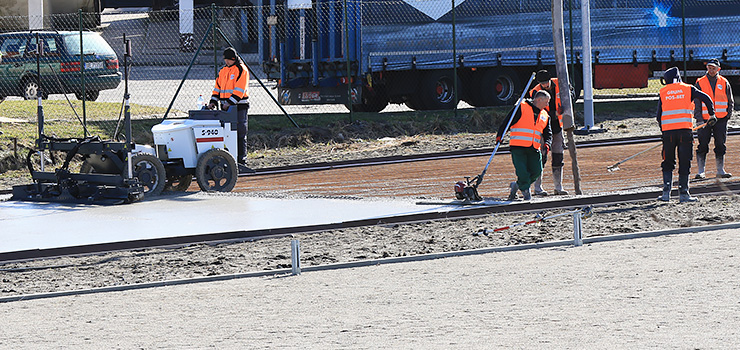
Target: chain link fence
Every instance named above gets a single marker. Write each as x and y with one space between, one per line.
396 56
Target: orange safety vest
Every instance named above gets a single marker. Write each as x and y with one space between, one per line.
538 87
232 85
677 107
528 130
718 95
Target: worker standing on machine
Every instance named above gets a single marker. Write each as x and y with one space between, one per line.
554 109
232 88
718 88
530 135
675 112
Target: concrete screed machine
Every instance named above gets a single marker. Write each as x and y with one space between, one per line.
122 172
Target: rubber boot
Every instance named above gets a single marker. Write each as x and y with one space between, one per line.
721 173
683 189
701 161
557 179
512 192
526 195
667 182
538 191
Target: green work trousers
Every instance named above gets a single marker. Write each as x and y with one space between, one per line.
528 165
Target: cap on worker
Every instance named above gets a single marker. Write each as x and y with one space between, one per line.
713 62
230 53
672 75
542 76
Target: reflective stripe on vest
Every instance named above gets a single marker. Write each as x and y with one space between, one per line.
677 107
527 132
718 95
538 87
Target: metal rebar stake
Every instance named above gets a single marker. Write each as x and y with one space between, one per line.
577 229
295 260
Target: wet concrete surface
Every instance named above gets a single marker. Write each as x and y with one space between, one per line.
32 225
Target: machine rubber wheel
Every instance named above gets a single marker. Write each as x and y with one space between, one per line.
216 171
178 183
150 172
31 89
437 90
498 87
90 95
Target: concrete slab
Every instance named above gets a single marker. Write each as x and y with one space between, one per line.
31 225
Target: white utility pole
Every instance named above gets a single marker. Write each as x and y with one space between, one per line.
35 14
186 26
588 89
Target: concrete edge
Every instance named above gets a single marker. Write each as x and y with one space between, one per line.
365 263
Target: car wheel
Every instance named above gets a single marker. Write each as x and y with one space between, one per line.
90 95
31 89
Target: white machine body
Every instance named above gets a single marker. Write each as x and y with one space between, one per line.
189 138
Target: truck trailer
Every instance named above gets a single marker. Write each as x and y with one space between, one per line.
394 51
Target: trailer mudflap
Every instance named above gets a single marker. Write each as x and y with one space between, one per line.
318 95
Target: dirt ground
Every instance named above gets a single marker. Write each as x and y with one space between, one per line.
70 273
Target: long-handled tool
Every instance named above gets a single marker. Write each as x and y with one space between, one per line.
615 166
468 190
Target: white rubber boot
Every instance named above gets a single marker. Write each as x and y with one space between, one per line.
721 173
538 191
557 179
701 161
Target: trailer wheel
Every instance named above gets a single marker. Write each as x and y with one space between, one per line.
216 171
497 87
437 90
178 183
150 172
373 101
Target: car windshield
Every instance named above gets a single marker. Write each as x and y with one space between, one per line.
93 44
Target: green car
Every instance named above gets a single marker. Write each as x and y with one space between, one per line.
60 64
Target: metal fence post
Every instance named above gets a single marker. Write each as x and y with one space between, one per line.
577 229
295 260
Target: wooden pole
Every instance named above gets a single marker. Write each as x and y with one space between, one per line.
561 66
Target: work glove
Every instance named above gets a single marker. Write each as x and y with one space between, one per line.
712 120
498 139
212 105
224 106
546 149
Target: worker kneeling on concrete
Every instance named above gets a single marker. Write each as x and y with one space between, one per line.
675 115
530 131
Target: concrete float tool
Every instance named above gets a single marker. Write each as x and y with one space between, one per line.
468 190
615 166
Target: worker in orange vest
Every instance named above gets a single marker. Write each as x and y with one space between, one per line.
675 115
719 89
529 137
554 109
232 89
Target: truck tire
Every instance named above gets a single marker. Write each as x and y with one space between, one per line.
216 171
437 90
498 87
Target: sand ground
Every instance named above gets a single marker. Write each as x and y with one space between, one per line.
668 292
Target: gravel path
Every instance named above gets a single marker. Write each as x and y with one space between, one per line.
669 292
